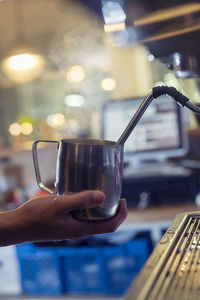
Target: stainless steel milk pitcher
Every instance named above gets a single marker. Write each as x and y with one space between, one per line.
87 164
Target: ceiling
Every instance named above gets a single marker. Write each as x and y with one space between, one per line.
64 31
30 20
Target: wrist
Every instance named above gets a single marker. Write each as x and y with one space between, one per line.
12 229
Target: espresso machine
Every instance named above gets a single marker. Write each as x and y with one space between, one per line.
170 30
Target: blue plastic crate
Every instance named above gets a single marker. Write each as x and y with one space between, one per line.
123 263
119 269
83 269
40 270
139 249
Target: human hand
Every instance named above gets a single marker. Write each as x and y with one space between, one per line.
50 217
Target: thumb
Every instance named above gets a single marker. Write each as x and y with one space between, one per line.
85 199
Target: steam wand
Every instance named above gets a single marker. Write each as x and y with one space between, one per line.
156 92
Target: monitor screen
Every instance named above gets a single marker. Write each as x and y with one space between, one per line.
159 135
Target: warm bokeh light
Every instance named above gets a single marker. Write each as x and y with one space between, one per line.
22 61
27 128
75 74
23 67
56 120
15 129
114 27
108 84
74 100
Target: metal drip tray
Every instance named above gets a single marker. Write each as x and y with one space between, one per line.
173 270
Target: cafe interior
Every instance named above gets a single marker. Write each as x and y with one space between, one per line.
82 69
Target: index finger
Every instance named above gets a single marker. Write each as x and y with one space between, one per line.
81 200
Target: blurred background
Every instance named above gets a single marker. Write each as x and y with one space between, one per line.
61 63
57 93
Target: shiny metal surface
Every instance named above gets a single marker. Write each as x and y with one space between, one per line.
172 271
87 164
186 64
135 119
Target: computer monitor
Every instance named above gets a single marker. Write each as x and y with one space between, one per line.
158 136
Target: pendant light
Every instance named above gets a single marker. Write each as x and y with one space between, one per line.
22 64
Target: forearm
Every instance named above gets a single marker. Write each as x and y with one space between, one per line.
12 231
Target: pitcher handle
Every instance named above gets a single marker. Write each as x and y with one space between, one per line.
36 165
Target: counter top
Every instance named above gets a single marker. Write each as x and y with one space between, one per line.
159 213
